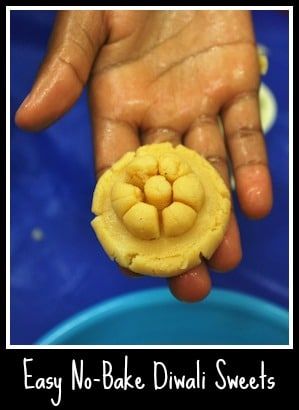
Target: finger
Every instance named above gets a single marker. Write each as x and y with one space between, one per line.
205 137
129 273
111 139
74 43
229 253
241 119
159 135
191 286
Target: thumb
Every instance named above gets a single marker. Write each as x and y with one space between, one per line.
75 41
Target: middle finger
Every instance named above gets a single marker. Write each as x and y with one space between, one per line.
206 138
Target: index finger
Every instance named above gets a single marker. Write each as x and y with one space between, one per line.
75 41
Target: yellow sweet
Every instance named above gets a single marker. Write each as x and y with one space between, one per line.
159 210
142 220
141 169
171 167
124 196
188 190
177 219
158 192
263 60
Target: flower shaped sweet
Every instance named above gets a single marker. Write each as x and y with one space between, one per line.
159 209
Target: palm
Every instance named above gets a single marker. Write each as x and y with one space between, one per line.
168 75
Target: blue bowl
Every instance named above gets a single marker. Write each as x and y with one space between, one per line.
155 317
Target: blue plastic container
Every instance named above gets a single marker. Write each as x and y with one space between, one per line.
155 317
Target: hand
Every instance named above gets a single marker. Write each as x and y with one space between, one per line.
158 76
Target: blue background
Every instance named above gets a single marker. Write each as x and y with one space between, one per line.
52 182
